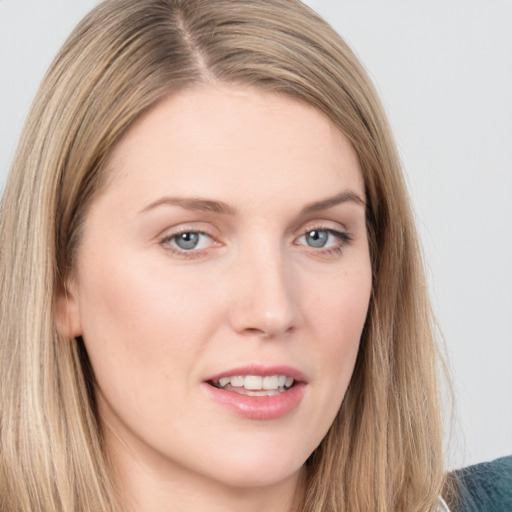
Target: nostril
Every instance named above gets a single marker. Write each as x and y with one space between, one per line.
253 330
268 331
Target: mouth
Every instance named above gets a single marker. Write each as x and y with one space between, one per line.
258 392
254 385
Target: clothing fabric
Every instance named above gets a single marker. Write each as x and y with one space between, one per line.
485 487
442 506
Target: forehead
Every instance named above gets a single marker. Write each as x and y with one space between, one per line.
205 139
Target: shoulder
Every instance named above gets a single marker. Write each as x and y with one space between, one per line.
485 487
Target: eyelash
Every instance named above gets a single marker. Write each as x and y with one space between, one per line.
192 253
344 239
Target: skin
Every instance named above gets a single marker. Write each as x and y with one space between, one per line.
158 320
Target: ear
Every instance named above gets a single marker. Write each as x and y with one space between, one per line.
67 312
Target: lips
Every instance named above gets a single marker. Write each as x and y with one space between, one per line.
257 392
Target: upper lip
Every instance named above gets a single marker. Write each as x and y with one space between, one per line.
263 370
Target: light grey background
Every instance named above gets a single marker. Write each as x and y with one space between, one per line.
444 71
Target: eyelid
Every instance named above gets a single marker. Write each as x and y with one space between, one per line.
186 226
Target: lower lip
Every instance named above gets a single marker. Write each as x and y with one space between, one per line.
259 407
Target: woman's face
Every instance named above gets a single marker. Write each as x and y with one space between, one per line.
221 287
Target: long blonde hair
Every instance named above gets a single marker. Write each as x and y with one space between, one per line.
383 452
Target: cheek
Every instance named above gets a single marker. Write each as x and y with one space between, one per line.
139 326
337 314
119 303
144 333
338 307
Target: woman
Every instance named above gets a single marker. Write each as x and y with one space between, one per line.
208 237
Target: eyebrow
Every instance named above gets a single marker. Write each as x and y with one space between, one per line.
346 196
208 205
193 203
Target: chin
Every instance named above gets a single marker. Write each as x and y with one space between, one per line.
248 478
262 468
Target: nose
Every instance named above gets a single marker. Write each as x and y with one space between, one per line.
264 301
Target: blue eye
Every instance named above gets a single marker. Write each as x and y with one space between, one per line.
317 238
188 241
328 239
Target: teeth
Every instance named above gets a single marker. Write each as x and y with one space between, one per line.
253 382
271 382
223 381
257 382
237 381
